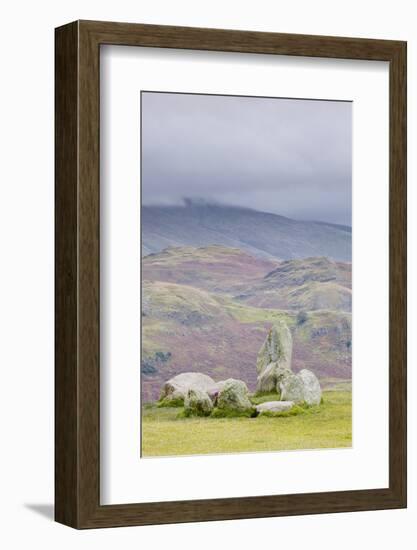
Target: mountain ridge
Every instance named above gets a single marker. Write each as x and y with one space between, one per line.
262 234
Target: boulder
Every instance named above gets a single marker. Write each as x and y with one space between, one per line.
292 389
312 389
214 391
274 406
303 387
177 387
274 358
234 396
197 403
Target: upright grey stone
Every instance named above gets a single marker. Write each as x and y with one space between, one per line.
274 358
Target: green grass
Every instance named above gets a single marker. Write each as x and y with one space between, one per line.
170 403
250 314
166 433
330 383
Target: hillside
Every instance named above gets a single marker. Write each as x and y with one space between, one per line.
303 284
259 233
182 330
195 317
215 268
307 284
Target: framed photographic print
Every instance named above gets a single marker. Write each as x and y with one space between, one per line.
230 274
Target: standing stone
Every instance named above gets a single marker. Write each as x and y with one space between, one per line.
234 396
197 403
303 387
274 358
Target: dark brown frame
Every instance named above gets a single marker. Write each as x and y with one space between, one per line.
77 360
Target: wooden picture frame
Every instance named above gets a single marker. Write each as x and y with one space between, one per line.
77 359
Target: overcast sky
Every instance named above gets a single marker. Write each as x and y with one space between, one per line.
291 157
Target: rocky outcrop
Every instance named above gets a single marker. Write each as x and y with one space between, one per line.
274 407
274 358
175 390
234 396
303 387
197 403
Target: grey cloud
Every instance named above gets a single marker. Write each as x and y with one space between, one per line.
290 157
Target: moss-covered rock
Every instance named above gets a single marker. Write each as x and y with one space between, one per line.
214 391
234 396
197 403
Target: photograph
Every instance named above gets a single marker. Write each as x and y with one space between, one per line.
246 274
208 271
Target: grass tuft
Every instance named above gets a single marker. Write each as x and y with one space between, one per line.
188 413
230 413
166 402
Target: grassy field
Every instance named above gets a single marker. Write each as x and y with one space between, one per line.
166 433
